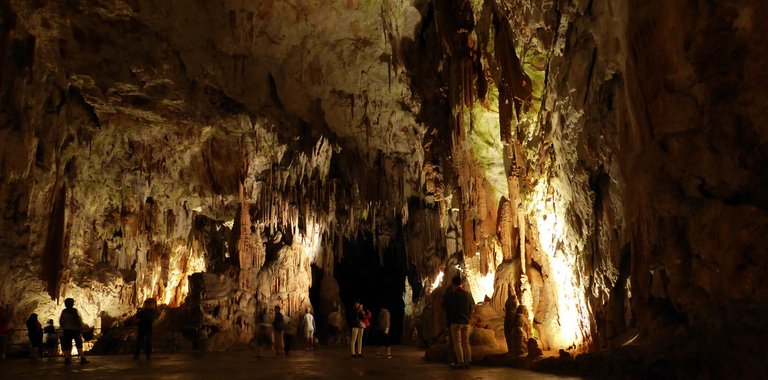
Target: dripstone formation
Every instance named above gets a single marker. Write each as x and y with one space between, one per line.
594 169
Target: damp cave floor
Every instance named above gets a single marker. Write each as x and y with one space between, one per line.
323 363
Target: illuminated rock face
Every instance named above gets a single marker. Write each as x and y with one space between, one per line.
598 162
653 115
138 151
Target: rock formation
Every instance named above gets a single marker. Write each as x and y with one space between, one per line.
599 161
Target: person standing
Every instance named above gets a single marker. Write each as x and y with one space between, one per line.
35 333
72 325
5 333
144 319
278 326
358 326
51 339
309 329
291 329
383 324
367 316
263 333
458 304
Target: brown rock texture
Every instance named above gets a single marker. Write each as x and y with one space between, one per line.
653 113
601 163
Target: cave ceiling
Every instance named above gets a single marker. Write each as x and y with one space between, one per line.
183 69
601 162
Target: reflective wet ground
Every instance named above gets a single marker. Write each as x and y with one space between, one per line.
327 363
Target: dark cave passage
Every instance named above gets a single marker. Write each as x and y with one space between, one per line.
376 283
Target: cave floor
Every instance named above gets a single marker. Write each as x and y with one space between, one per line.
406 363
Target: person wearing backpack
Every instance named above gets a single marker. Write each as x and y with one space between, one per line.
72 325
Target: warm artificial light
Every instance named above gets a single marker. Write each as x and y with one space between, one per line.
573 315
437 281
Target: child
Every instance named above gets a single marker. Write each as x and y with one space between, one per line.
51 339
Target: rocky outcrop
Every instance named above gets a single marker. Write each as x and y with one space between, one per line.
648 110
141 149
600 162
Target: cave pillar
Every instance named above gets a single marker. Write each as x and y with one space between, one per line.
251 257
514 89
505 229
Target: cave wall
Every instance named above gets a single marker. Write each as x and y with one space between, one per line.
140 149
653 111
631 174
599 160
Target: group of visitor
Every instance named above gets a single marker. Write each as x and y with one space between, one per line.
71 330
44 341
275 336
270 332
36 332
360 325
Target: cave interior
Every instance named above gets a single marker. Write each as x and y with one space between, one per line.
600 163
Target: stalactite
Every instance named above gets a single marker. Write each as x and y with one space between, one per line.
504 228
521 222
482 211
54 254
373 221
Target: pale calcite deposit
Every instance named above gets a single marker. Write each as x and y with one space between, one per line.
600 162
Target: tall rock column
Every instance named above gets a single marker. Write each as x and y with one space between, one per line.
455 23
514 89
251 257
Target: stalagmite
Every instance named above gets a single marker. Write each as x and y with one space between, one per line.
227 157
248 254
504 228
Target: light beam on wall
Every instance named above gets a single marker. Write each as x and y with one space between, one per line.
572 326
438 280
310 242
187 262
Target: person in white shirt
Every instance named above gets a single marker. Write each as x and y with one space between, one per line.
309 329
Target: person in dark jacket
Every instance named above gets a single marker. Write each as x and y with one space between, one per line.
72 325
144 319
458 304
278 326
264 333
35 333
357 323
383 324
51 339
